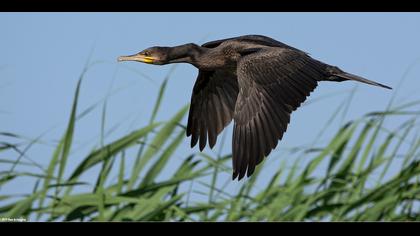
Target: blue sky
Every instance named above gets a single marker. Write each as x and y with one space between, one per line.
43 55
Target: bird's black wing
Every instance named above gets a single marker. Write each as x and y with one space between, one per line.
212 104
272 84
256 39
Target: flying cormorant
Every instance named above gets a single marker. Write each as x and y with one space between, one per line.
254 80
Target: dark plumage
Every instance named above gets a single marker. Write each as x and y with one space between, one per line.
254 80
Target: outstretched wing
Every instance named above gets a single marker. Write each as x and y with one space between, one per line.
272 83
212 105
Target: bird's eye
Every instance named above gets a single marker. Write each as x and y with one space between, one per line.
146 53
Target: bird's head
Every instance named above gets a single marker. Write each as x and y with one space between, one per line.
153 55
185 53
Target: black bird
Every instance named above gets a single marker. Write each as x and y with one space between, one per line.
254 80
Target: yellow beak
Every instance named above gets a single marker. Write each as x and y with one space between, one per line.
137 57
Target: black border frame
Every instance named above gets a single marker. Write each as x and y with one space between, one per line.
210 5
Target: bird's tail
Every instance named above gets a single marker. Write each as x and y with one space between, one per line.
348 76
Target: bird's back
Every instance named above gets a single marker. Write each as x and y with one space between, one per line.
250 39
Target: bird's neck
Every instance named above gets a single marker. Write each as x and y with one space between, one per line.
187 53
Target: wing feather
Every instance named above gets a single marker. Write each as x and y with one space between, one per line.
212 105
272 83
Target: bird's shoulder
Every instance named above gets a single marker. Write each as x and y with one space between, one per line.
269 56
256 39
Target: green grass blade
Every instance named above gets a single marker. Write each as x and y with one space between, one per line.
159 140
158 166
111 149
